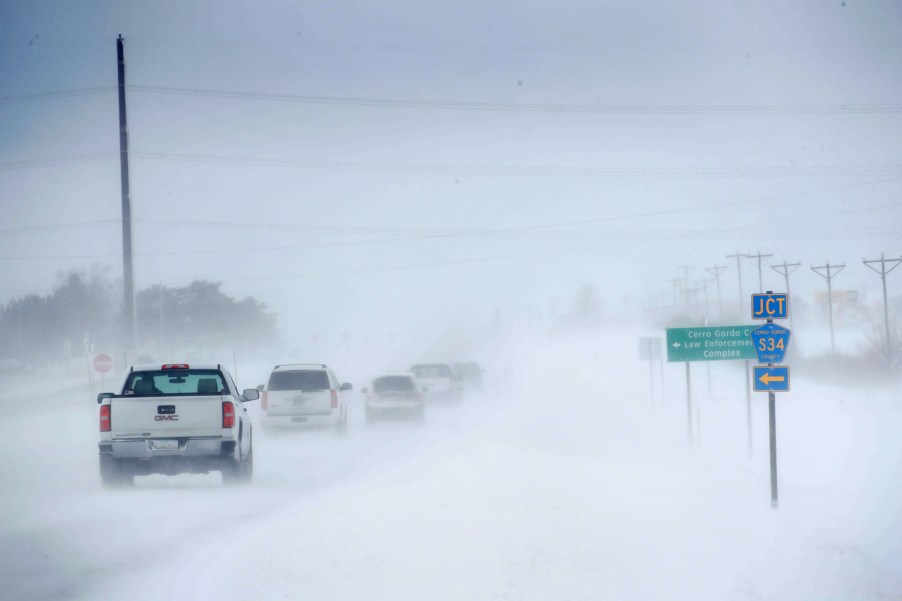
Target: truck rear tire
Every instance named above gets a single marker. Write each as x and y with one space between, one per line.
237 472
113 474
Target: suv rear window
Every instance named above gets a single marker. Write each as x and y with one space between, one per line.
175 382
431 371
299 380
393 384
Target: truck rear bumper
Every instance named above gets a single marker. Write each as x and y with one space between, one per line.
193 455
151 448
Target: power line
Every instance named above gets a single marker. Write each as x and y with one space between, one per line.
610 109
29 163
57 226
449 47
537 170
56 94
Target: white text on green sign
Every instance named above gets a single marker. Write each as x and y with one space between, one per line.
717 343
770 306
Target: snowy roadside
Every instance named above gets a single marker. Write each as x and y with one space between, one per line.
601 500
41 387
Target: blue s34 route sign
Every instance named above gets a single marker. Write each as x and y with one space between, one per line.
770 342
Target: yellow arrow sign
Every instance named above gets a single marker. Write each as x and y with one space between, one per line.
768 378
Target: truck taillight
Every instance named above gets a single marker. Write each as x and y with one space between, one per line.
105 422
228 415
264 401
334 399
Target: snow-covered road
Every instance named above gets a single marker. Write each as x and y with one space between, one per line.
569 485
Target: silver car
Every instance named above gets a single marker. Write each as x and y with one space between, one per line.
394 395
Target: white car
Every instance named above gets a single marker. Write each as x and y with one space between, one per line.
306 395
436 380
394 395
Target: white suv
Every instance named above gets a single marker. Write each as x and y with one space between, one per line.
304 394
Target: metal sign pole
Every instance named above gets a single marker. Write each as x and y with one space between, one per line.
651 373
689 403
748 407
771 401
663 389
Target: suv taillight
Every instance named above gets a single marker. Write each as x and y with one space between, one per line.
334 399
264 401
105 422
228 415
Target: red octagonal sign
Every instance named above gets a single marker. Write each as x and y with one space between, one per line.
103 363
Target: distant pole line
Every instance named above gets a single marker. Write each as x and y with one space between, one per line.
825 271
703 284
686 269
676 285
716 270
739 256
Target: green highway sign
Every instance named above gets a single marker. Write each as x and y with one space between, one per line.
717 343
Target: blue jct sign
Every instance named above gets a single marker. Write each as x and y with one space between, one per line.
771 379
770 342
770 306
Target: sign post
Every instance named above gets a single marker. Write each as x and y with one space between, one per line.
650 350
102 364
770 342
711 343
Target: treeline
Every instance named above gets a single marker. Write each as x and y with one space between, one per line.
83 315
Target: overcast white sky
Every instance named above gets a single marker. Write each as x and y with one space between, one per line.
279 147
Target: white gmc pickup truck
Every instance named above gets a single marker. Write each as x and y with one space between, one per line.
172 419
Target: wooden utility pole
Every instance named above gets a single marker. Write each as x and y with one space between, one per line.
759 256
786 270
128 278
739 256
825 272
883 272
716 269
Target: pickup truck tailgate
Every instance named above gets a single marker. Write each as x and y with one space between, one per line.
169 416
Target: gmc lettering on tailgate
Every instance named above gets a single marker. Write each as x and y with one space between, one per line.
166 418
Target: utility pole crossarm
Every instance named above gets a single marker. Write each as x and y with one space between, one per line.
883 271
785 269
828 275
